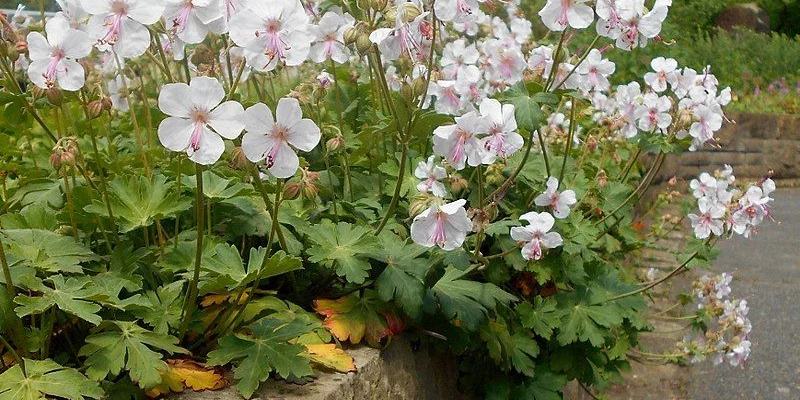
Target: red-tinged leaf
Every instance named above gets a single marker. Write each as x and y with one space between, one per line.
354 317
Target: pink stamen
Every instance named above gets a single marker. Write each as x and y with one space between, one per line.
115 28
563 19
180 22
194 141
463 7
439 236
275 45
457 155
52 68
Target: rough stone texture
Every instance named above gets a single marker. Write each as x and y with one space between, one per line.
396 372
753 145
749 16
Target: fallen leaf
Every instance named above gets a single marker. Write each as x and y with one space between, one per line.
214 299
182 374
330 356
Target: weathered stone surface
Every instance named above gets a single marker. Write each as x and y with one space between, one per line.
396 372
749 16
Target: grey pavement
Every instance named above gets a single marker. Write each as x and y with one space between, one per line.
766 271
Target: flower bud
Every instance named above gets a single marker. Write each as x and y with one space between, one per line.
418 205
54 96
95 109
106 102
291 190
350 36
419 87
238 160
68 159
378 5
406 92
4 47
13 54
21 47
458 183
363 44
310 191
335 144
409 11
55 160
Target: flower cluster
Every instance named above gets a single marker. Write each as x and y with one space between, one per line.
728 335
725 208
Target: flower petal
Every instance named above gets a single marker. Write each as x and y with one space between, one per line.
227 119
211 148
304 135
205 93
258 118
175 133
285 163
174 100
70 75
288 111
255 145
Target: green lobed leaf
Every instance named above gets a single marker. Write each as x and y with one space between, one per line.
343 246
68 294
46 251
46 379
126 346
137 201
266 350
542 316
163 307
468 301
403 278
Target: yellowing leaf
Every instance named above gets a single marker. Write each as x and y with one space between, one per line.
214 299
354 317
330 356
182 374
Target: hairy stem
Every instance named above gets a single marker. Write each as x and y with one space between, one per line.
190 302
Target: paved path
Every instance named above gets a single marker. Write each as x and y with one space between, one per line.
766 272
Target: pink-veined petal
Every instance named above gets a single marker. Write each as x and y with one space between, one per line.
285 163
211 148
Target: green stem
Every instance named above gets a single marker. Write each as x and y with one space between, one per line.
14 323
190 302
397 187
14 354
641 188
268 206
507 183
580 61
631 162
162 55
235 83
569 141
134 120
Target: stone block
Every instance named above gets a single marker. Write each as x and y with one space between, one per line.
744 16
395 372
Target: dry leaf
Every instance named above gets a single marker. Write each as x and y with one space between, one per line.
182 374
214 299
330 356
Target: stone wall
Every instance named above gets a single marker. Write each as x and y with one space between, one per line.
753 145
397 372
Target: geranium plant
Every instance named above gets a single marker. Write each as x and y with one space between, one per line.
195 186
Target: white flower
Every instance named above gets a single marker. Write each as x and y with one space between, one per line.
459 143
596 70
194 110
558 202
558 14
191 20
269 138
706 185
53 59
458 60
271 35
404 38
72 13
445 226
454 10
665 70
114 87
120 24
707 122
541 60
329 36
654 113
502 139
431 175
537 235
710 219
506 64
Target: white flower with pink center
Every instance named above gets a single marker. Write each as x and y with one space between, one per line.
459 143
406 38
665 72
431 174
536 236
197 121
121 24
454 10
272 35
269 138
559 202
192 20
654 113
502 139
53 58
595 71
329 36
458 60
710 219
558 14
445 226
